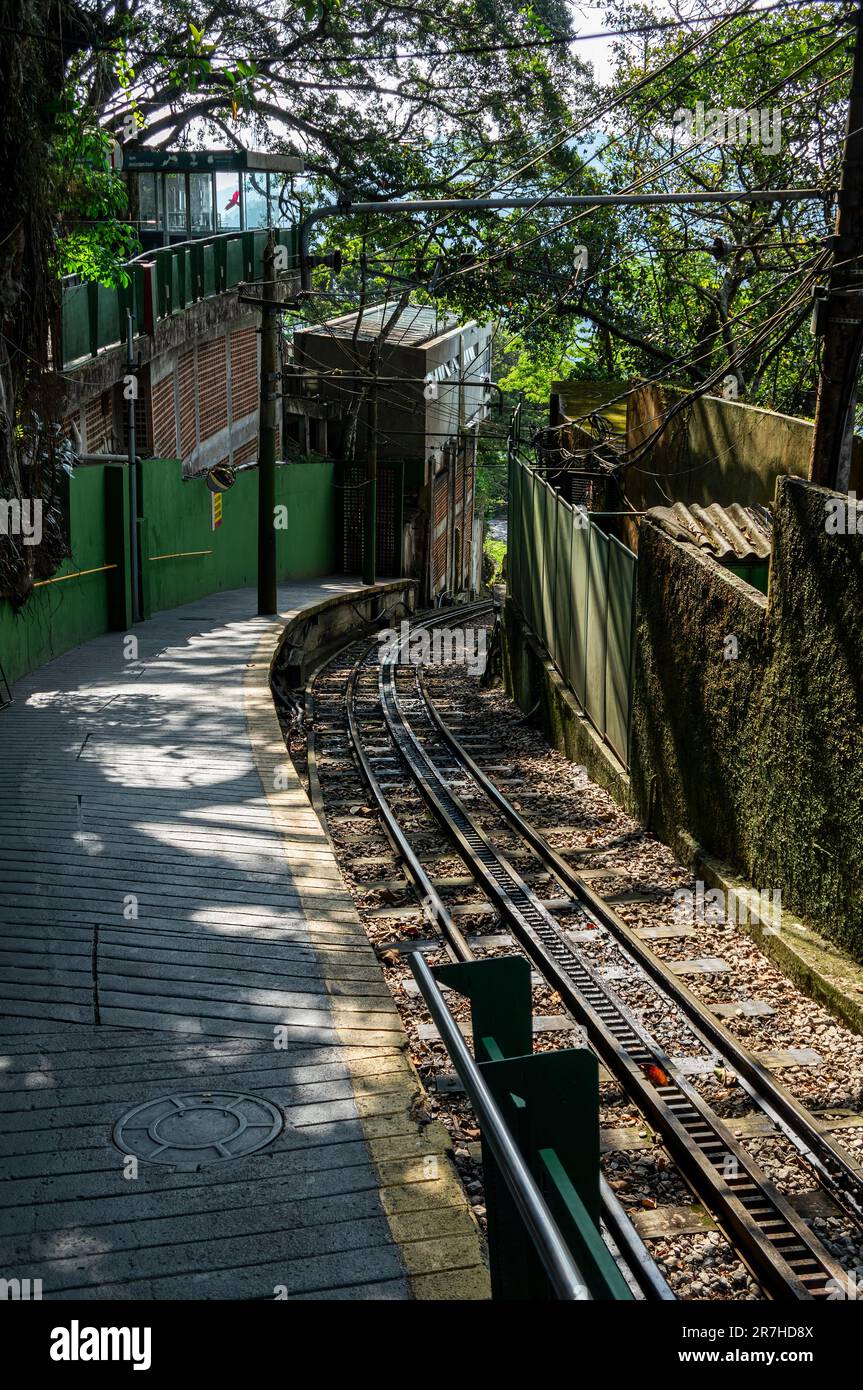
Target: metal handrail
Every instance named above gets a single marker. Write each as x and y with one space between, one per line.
559 1265
69 281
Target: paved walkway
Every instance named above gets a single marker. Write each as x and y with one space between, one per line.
175 935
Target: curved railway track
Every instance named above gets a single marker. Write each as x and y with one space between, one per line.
394 730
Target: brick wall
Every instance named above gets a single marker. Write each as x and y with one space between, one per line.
188 427
143 416
212 388
188 406
164 418
441 497
247 453
99 423
467 544
244 372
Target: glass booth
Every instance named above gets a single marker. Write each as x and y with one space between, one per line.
182 205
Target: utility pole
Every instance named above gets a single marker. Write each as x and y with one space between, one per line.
830 460
131 383
370 491
268 432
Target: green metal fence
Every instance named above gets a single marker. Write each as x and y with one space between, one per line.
161 283
575 586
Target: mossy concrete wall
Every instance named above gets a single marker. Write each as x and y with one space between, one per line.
701 657
715 451
757 757
811 836
747 718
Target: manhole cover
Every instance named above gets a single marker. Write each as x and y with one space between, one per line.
196 1128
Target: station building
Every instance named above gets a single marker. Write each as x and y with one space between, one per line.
432 395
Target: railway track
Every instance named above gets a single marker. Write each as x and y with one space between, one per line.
395 732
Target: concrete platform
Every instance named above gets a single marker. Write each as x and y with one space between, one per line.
173 925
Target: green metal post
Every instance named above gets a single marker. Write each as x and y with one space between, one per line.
500 1007
134 557
550 1101
370 491
268 430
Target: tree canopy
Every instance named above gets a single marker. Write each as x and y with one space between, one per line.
454 98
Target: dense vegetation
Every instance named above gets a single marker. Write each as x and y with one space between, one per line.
459 98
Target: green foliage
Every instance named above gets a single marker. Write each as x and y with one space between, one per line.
490 485
333 82
679 291
530 371
496 550
99 253
702 284
660 284
90 198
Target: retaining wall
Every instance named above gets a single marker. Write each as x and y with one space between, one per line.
747 711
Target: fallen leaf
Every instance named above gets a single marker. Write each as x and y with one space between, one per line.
655 1074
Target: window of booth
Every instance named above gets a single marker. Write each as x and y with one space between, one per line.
175 204
148 210
201 204
255 197
279 184
228 201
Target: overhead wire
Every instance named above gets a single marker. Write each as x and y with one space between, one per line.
571 132
663 168
429 55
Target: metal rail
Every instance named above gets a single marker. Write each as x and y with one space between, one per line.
839 1173
558 1263
634 1253
784 1255
433 906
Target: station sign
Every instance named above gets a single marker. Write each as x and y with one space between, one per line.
141 159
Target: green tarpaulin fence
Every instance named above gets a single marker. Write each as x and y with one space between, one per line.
575 586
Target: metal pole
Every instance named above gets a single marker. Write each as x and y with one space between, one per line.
370 492
268 426
575 200
638 1258
830 460
134 563
561 1268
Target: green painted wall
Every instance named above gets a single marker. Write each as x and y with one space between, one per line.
175 517
64 613
309 548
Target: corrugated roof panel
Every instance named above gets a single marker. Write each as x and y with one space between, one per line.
733 534
417 323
